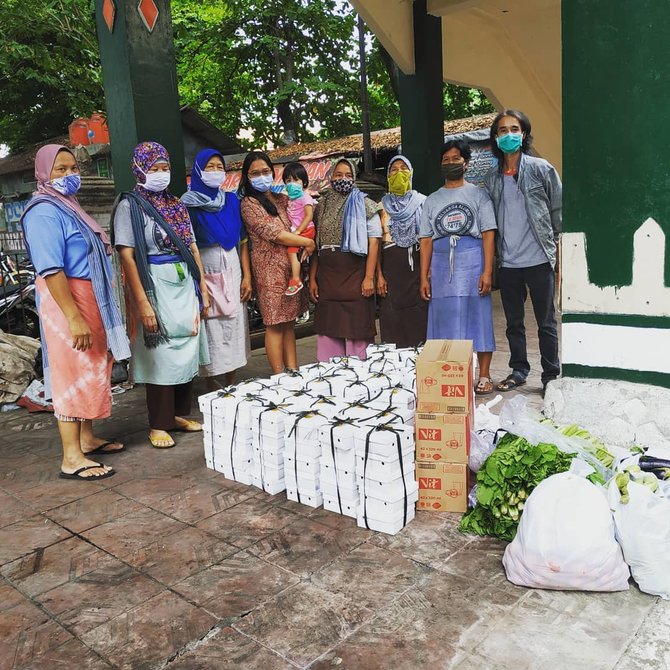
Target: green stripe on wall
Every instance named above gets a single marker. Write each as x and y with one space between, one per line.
635 376
629 320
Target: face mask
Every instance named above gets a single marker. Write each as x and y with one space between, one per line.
293 190
262 183
67 185
453 171
213 179
156 181
342 186
510 143
400 182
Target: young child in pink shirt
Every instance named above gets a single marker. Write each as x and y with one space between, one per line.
301 213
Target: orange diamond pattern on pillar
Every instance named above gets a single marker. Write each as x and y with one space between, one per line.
149 13
108 13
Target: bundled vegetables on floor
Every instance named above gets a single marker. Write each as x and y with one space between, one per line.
642 520
566 539
506 479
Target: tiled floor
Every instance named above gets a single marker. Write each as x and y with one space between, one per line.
169 565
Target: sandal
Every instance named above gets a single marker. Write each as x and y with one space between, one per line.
101 449
511 382
294 286
188 426
77 473
484 386
165 442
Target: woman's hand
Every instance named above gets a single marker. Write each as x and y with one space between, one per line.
307 250
313 291
245 289
485 283
382 285
205 305
368 287
82 337
148 317
425 288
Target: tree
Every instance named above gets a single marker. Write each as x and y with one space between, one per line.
265 70
283 70
49 68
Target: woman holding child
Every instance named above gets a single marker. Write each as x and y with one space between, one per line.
265 215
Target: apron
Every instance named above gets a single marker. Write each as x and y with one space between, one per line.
342 312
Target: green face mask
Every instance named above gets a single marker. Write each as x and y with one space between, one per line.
400 182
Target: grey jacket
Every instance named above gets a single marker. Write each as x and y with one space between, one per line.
543 192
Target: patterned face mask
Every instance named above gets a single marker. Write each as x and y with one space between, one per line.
342 186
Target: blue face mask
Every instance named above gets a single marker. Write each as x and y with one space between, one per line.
294 190
262 183
510 143
67 185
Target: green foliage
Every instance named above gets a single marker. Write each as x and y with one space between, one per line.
49 68
506 479
265 71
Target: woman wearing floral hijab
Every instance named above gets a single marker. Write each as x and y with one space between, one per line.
341 283
403 315
166 293
80 320
222 242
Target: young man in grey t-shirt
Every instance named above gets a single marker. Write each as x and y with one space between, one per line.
527 197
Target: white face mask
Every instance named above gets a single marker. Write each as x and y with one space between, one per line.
213 179
156 181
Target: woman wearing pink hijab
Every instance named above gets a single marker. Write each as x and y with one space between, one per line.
81 325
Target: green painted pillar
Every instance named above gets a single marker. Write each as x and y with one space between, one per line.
140 79
616 207
421 102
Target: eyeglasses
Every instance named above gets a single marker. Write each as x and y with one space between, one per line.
261 173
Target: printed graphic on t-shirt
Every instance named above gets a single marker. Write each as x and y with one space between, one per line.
456 218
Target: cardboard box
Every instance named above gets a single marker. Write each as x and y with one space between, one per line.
444 377
443 438
443 487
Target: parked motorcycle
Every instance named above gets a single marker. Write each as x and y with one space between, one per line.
18 310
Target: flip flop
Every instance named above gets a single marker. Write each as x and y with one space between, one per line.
511 382
77 474
101 449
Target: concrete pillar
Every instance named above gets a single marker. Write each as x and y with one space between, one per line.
616 272
421 102
139 75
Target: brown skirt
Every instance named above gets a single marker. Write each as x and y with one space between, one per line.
403 315
342 311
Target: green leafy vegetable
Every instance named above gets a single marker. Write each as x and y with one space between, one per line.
506 479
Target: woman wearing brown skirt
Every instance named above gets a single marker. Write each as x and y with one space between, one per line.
403 315
348 230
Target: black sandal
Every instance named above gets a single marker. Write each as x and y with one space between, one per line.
93 478
511 382
101 449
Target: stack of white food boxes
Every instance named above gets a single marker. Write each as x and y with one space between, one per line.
338 434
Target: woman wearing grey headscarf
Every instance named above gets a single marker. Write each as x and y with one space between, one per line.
342 273
403 315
